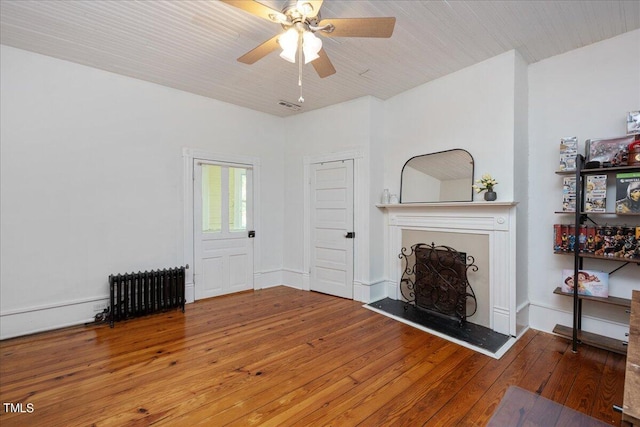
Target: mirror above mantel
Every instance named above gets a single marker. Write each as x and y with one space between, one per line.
444 176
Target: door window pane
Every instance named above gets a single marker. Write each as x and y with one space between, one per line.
237 199
211 198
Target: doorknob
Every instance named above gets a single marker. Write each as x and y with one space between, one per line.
350 235
252 234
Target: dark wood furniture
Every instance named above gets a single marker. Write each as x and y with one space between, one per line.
631 404
520 407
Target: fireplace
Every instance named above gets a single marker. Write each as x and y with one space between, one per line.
493 225
435 279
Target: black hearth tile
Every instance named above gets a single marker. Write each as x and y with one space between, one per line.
468 332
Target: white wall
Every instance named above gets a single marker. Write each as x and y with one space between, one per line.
375 261
342 128
585 93
471 109
92 182
91 159
521 189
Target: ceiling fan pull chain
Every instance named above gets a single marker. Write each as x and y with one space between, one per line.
301 99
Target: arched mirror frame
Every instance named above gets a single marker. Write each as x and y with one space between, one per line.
471 176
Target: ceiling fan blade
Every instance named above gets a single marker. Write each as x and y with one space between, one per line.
257 9
359 27
323 65
261 51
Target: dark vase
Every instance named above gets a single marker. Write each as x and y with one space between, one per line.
490 196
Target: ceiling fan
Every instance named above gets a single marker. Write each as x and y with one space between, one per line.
301 21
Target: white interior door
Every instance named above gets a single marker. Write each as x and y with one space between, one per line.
331 223
223 222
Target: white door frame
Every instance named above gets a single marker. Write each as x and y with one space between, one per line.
360 222
188 156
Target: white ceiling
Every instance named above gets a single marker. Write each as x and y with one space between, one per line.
193 45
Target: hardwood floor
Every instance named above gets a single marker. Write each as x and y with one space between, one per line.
284 357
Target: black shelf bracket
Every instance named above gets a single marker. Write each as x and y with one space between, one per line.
622 266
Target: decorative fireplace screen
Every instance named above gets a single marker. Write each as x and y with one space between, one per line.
435 279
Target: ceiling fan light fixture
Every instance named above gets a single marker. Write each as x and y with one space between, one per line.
311 46
289 44
303 16
289 55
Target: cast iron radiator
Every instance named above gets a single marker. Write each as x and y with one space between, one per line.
139 294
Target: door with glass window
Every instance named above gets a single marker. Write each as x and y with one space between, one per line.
223 228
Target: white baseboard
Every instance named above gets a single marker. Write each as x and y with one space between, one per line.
295 279
267 279
363 292
393 291
31 320
522 318
36 319
544 319
369 292
189 293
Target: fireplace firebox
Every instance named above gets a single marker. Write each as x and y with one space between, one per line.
435 279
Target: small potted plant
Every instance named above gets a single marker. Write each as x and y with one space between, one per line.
486 183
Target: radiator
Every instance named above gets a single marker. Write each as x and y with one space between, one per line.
140 294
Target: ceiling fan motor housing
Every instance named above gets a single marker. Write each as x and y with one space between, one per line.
296 16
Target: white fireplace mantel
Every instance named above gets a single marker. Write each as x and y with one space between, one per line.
497 220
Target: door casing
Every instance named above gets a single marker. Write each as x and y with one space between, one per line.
223 260
187 246
360 221
331 249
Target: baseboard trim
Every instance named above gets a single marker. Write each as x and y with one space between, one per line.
54 306
544 318
46 318
369 292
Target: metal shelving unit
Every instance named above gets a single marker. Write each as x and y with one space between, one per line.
575 332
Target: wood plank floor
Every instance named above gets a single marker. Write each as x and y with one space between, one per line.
284 357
